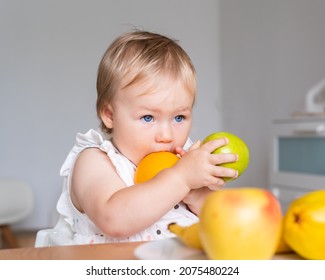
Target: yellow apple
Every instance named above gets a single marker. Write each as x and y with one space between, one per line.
240 224
235 146
304 225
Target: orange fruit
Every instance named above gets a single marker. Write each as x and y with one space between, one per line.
152 164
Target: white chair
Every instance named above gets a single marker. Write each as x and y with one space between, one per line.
16 203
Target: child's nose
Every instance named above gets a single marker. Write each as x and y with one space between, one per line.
164 134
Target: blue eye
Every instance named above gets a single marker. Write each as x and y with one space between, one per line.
179 118
147 118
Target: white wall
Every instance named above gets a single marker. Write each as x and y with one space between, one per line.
49 53
271 54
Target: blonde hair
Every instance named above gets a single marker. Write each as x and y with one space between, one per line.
139 55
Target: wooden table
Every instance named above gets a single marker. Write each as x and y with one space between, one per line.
114 251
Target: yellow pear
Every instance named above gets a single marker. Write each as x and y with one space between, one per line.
304 225
239 224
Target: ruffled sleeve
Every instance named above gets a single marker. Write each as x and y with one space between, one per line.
91 139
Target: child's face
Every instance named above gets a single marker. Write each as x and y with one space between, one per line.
148 118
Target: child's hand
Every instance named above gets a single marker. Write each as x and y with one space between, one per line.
199 167
196 198
182 152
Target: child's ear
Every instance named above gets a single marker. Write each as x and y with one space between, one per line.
106 116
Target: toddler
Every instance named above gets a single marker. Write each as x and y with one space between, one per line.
146 89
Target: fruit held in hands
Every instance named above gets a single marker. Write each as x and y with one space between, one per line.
189 235
304 225
235 146
152 164
240 224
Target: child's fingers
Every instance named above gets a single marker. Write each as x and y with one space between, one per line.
215 144
217 159
182 152
217 185
196 145
222 172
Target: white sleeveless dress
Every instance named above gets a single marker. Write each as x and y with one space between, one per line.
75 227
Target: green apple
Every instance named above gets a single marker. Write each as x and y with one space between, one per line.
235 146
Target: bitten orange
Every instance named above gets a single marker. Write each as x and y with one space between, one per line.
152 164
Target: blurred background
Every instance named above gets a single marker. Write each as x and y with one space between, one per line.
255 61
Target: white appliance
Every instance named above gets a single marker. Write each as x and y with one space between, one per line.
315 98
297 157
